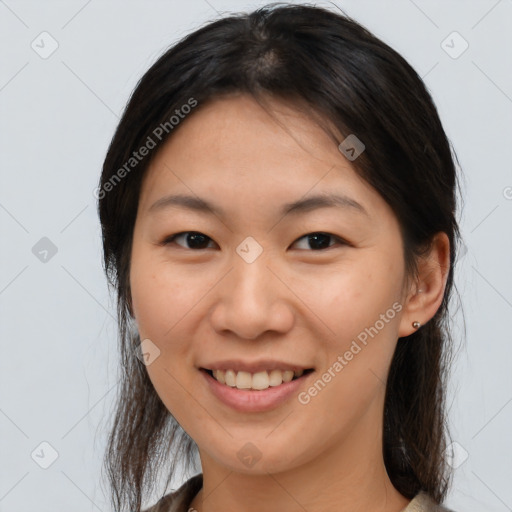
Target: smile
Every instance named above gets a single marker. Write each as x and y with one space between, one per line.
258 381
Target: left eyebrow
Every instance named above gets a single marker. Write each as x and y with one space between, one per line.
323 201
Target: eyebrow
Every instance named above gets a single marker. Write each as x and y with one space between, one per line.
297 207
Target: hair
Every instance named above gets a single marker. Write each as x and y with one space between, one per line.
350 80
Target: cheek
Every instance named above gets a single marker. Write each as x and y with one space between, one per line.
352 296
160 296
161 300
359 305
148 292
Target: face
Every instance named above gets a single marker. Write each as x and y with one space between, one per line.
252 283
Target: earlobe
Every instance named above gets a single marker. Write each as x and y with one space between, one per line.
423 303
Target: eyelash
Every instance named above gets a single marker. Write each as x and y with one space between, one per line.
170 239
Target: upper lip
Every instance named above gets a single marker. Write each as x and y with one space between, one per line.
254 366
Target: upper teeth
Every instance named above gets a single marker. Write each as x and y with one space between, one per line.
258 380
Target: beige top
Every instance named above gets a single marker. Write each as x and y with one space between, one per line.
180 500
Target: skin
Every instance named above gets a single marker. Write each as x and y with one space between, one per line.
294 303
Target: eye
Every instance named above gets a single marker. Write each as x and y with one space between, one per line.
194 238
320 240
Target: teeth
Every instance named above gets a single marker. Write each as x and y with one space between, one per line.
219 375
243 380
276 378
229 377
258 381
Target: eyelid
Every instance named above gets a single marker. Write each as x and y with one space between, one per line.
167 240
339 240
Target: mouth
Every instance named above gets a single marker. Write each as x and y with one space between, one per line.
258 381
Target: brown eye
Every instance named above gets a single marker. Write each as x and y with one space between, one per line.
194 239
319 241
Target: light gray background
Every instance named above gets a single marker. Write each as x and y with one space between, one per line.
58 331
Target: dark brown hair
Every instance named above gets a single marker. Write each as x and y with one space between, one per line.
326 61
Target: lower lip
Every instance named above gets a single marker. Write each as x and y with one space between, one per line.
254 400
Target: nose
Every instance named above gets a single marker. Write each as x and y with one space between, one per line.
252 299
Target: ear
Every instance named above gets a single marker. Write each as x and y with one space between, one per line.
426 295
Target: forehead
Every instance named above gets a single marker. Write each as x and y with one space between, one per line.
232 149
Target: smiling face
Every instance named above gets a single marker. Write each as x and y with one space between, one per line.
249 286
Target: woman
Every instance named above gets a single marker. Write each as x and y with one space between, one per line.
278 215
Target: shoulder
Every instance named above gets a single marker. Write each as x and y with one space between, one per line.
179 500
422 502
